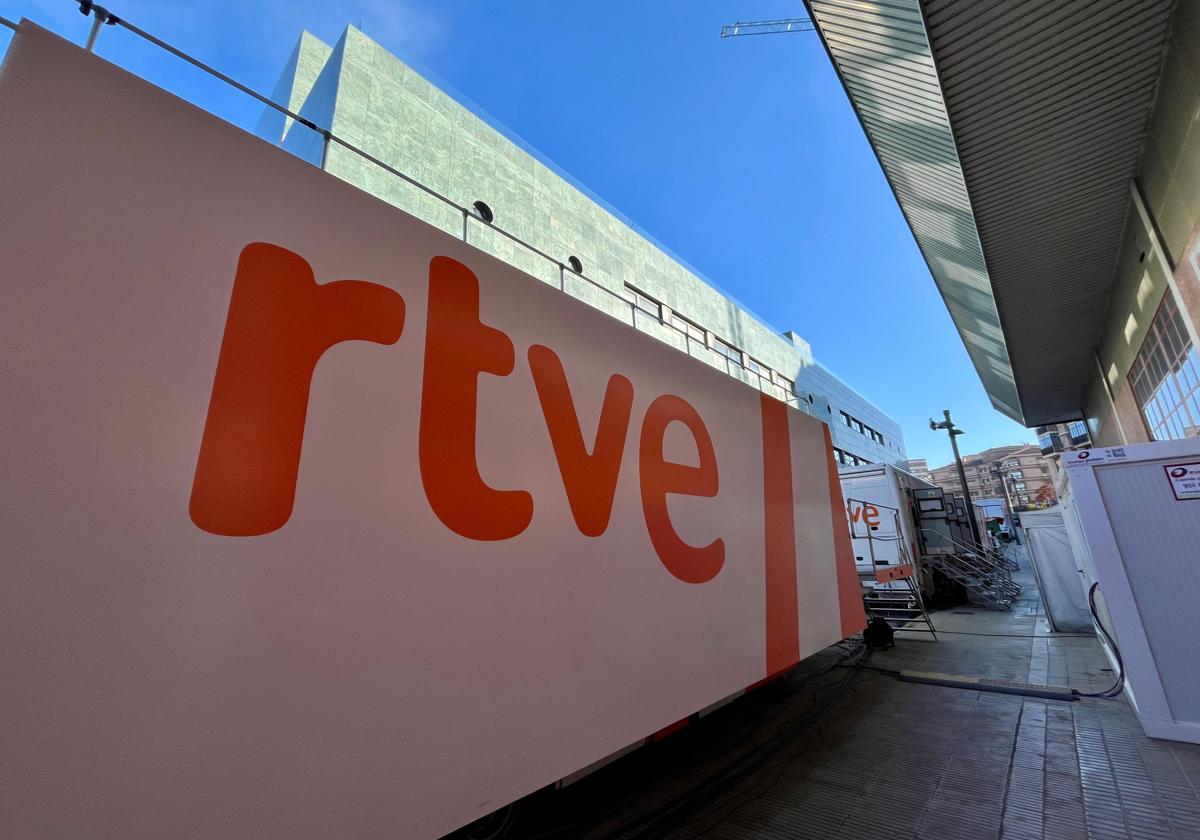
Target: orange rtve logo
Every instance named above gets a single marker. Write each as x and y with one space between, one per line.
866 512
281 321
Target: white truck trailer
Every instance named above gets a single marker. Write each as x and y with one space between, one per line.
879 507
317 521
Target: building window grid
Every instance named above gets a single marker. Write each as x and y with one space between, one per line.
727 353
769 380
862 428
689 328
644 302
1166 377
849 459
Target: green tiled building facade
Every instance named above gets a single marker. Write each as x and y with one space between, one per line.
374 101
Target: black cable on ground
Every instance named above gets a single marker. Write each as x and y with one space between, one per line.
1016 635
1111 692
1117 687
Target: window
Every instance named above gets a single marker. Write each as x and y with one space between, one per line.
727 350
689 328
861 427
848 459
1019 485
1016 474
755 366
643 301
1078 431
786 384
1166 377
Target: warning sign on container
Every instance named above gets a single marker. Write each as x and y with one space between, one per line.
1185 480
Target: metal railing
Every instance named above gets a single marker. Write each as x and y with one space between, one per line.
702 350
899 602
871 537
986 555
973 562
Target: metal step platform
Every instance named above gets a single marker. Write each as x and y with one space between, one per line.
986 574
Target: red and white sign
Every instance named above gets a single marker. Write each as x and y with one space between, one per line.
316 522
1185 480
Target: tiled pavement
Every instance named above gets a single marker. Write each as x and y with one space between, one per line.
896 760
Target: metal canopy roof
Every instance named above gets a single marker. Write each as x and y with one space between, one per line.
1009 132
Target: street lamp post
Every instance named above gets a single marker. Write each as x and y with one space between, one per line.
1004 478
954 432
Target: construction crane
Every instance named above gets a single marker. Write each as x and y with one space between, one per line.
767 27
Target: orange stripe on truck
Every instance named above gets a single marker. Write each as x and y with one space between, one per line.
779 527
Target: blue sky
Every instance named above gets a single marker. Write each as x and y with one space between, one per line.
742 156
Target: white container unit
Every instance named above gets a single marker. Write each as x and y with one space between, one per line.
1139 508
885 489
992 509
1059 569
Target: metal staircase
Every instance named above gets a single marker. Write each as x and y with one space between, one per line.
889 591
985 573
901 607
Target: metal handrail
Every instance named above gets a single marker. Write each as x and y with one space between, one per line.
985 570
998 568
979 550
914 588
1001 587
102 16
895 515
998 588
870 538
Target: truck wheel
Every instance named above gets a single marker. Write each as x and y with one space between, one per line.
495 826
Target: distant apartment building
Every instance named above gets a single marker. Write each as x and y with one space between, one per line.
372 100
1057 438
1063 437
1014 473
919 467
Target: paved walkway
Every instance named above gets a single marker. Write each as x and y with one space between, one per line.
838 753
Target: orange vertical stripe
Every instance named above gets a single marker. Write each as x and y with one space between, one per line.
779 527
854 618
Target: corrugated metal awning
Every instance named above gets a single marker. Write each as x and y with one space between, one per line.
1009 132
